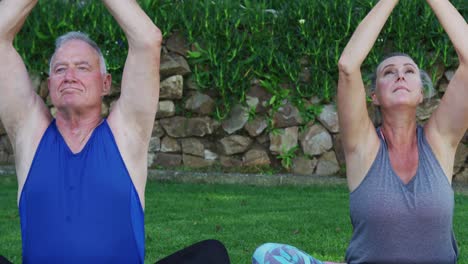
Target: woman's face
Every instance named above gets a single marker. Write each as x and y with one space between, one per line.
398 83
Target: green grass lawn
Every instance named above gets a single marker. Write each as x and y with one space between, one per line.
313 218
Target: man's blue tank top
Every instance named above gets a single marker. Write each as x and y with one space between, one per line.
83 207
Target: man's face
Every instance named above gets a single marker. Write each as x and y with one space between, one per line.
75 80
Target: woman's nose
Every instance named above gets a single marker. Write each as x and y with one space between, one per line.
401 75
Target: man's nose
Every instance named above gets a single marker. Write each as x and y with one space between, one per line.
70 74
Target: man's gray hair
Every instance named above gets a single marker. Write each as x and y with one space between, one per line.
76 35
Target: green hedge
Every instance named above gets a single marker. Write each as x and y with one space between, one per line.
235 41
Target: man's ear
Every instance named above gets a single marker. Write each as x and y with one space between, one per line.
107 84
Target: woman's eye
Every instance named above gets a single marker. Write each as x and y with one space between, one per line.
410 71
59 70
387 73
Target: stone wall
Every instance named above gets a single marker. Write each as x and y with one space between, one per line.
6 150
185 134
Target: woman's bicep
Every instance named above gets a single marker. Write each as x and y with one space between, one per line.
355 124
450 119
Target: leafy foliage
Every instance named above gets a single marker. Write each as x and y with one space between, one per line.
236 41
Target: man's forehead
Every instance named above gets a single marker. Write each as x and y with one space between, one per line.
76 48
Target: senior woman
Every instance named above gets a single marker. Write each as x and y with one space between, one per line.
399 175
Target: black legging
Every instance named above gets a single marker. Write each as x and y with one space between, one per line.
3 260
204 252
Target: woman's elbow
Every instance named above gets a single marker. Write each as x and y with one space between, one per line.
345 65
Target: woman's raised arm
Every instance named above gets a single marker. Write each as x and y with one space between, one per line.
360 142
355 123
449 122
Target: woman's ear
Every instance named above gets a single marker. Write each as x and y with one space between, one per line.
374 98
422 95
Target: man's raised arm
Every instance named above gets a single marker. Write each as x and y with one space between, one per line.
140 81
19 104
132 117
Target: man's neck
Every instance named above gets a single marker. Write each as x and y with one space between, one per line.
77 129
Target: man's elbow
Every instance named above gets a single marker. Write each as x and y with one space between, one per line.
463 64
152 39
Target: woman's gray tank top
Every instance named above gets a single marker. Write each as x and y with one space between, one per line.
402 223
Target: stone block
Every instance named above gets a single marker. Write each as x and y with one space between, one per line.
169 144
172 87
316 140
283 140
167 160
327 164
329 118
303 165
235 144
192 146
256 157
196 162
237 119
165 109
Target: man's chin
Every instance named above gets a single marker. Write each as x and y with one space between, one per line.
69 107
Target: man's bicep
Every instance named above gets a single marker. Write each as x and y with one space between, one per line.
17 96
140 85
